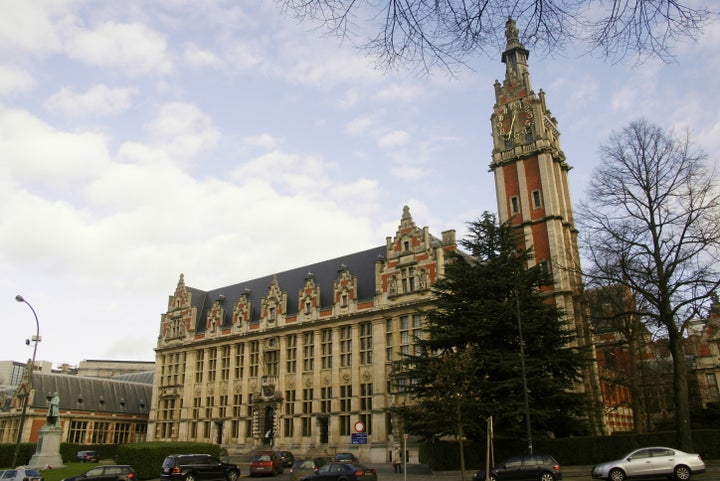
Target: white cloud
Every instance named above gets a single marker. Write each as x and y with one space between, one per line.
38 152
98 101
395 138
201 58
183 130
623 100
13 79
130 49
264 141
400 92
360 125
28 27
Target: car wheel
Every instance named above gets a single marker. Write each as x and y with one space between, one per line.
189 477
232 475
682 473
547 477
617 475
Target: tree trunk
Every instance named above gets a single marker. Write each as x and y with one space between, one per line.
680 384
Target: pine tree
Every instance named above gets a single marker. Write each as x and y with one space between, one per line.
467 364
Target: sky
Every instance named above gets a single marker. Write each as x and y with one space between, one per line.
226 141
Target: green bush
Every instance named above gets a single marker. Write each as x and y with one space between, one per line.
147 458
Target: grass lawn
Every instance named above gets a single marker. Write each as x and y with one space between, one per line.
70 469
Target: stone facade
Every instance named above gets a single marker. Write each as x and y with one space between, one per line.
296 359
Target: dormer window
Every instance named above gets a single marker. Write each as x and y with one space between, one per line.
408 279
271 313
344 299
406 245
308 306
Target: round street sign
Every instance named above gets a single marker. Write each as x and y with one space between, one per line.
359 426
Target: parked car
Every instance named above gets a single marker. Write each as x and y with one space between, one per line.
87 456
346 471
197 467
301 467
108 472
655 461
346 458
524 468
266 462
286 458
21 474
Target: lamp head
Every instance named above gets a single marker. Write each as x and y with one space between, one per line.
19 298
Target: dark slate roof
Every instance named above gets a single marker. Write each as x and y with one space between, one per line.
360 265
92 390
141 377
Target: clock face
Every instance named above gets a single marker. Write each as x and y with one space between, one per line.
513 121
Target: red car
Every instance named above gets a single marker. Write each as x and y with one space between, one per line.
267 463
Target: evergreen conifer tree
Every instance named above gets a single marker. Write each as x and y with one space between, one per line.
467 364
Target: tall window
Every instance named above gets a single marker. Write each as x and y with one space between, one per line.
325 399
345 408
199 365
254 358
166 415
514 205
174 369
197 403
288 420
308 351
212 363
366 343
389 348
537 199
222 406
366 406
101 433
239 360
225 363
405 340
291 354
209 404
346 346
77 432
408 279
306 419
122 433
272 359
326 349
415 331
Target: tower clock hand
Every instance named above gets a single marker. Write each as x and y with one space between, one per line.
512 123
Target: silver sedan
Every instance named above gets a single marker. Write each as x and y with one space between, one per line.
651 462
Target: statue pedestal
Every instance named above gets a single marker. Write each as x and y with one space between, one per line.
48 448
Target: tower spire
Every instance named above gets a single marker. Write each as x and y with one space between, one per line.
532 188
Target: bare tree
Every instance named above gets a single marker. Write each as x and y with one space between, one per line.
446 32
651 224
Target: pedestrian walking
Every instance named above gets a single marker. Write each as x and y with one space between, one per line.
397 459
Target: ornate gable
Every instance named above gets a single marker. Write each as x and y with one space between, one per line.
180 317
413 259
345 291
241 310
274 306
309 299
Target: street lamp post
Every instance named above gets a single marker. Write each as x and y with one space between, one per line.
29 369
522 361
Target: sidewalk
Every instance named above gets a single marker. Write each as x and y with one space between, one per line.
421 472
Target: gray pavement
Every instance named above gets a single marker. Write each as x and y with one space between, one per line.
421 472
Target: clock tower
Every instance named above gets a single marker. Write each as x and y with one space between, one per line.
531 184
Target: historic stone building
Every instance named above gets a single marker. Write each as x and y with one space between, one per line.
299 358
302 359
